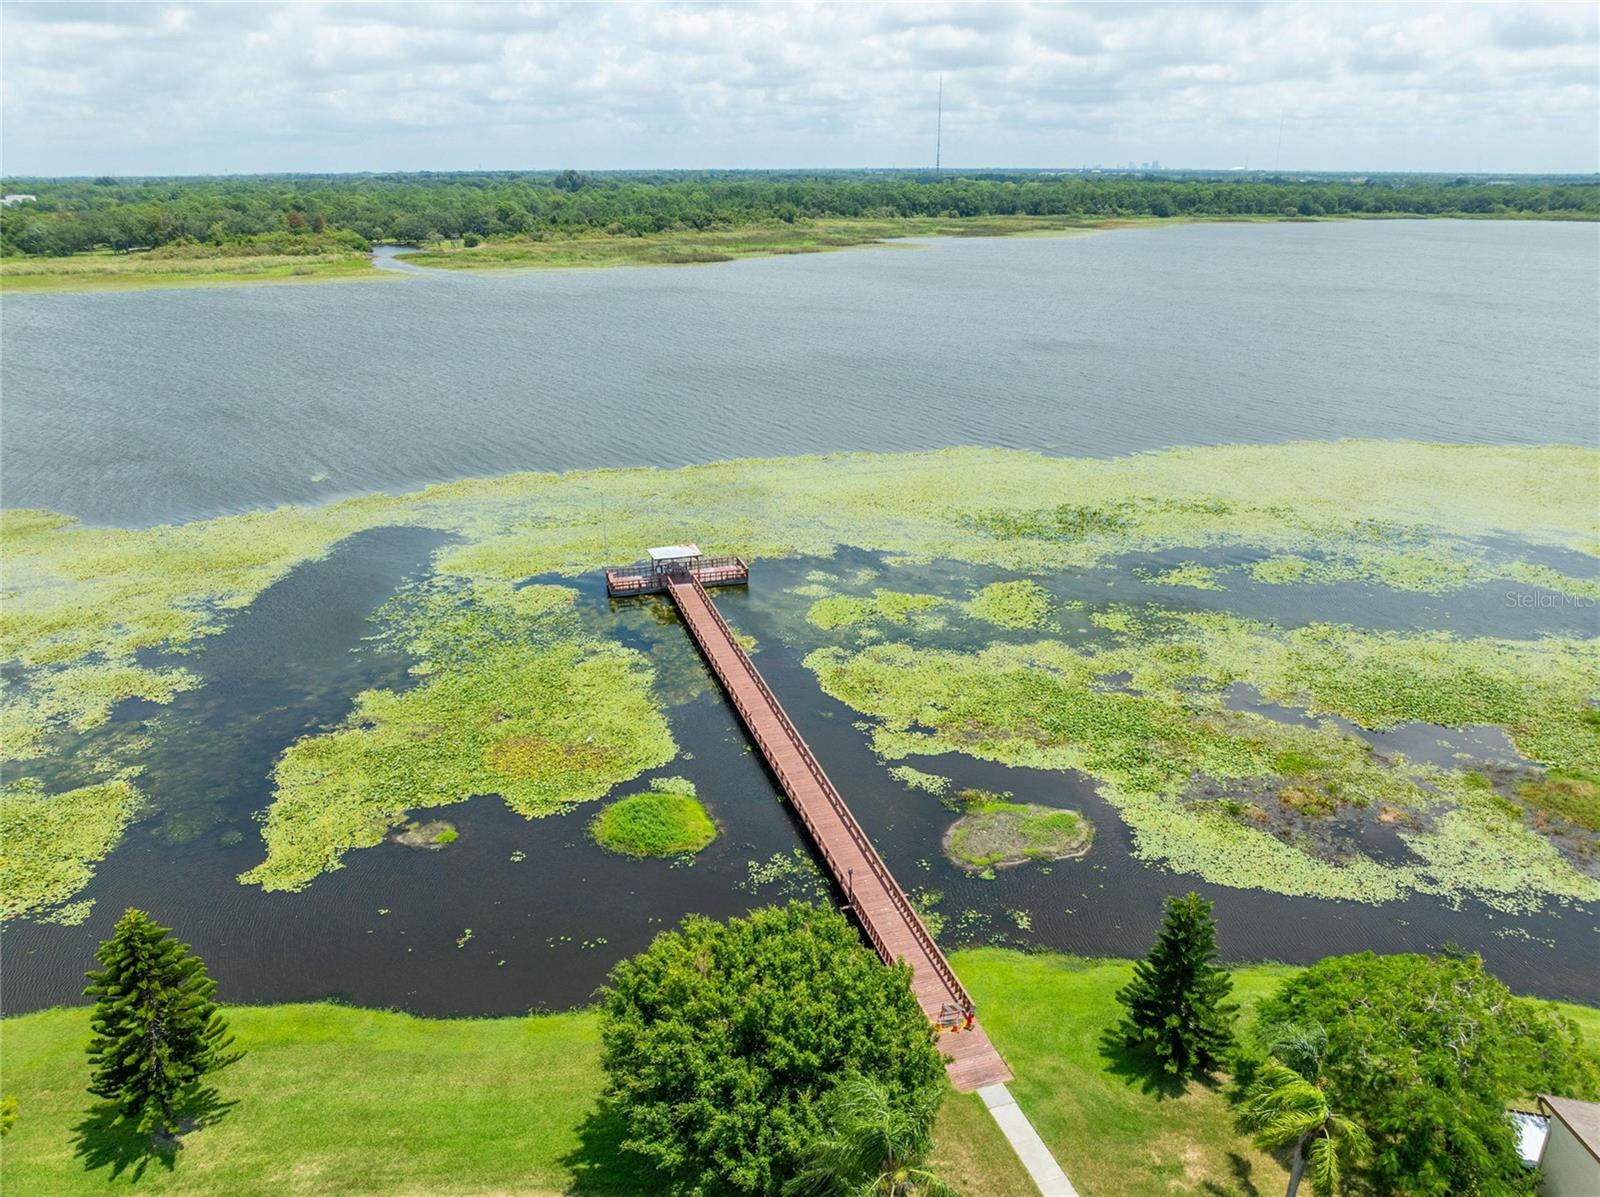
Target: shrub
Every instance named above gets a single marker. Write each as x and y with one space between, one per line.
722 1040
1426 1053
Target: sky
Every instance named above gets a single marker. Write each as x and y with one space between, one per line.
142 88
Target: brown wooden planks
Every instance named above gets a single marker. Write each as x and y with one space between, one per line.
877 900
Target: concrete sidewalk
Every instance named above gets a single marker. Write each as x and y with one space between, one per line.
1025 1141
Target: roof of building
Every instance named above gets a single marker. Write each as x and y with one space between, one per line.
671 552
1582 1118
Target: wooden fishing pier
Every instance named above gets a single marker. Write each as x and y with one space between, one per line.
871 893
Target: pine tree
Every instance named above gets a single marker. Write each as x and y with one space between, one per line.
156 1029
1177 1001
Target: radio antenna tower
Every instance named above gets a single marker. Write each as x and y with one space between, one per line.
938 129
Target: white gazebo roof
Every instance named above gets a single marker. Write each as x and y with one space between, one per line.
673 552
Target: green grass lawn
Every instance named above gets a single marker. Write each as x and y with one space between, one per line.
1112 1133
335 1100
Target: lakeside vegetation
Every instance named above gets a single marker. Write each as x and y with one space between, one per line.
88 605
81 234
381 1102
75 215
687 247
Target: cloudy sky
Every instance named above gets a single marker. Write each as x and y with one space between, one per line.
214 88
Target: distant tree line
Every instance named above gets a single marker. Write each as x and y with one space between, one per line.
311 213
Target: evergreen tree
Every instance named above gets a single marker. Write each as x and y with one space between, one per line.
1177 1001
156 1029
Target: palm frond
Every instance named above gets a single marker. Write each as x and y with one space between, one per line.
1322 1160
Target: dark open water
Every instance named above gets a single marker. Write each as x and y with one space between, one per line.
135 408
159 405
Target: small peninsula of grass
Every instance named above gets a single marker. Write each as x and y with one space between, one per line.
106 271
994 833
666 820
687 247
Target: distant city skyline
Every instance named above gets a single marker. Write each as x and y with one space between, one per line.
150 89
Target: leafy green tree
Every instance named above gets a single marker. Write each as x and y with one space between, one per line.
1285 1106
722 1040
156 1029
1177 1001
1426 1054
874 1146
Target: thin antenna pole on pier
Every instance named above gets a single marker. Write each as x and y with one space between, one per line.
938 130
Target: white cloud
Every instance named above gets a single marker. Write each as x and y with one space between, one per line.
191 88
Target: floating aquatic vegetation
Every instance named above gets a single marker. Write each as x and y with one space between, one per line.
793 874
930 783
79 590
544 718
1188 573
926 903
1549 579
81 602
1040 705
1019 604
666 820
840 611
78 697
73 914
49 843
844 611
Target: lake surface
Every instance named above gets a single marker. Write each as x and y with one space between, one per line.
170 405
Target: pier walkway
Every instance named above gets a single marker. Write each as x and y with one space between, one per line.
872 893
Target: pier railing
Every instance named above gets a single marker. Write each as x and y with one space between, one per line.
649 576
875 864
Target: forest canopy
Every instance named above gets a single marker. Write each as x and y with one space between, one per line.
280 214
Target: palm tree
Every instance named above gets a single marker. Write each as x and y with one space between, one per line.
1281 1107
873 1148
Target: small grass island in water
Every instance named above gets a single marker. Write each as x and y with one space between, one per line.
994 833
665 820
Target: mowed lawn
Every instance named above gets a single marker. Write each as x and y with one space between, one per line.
335 1100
